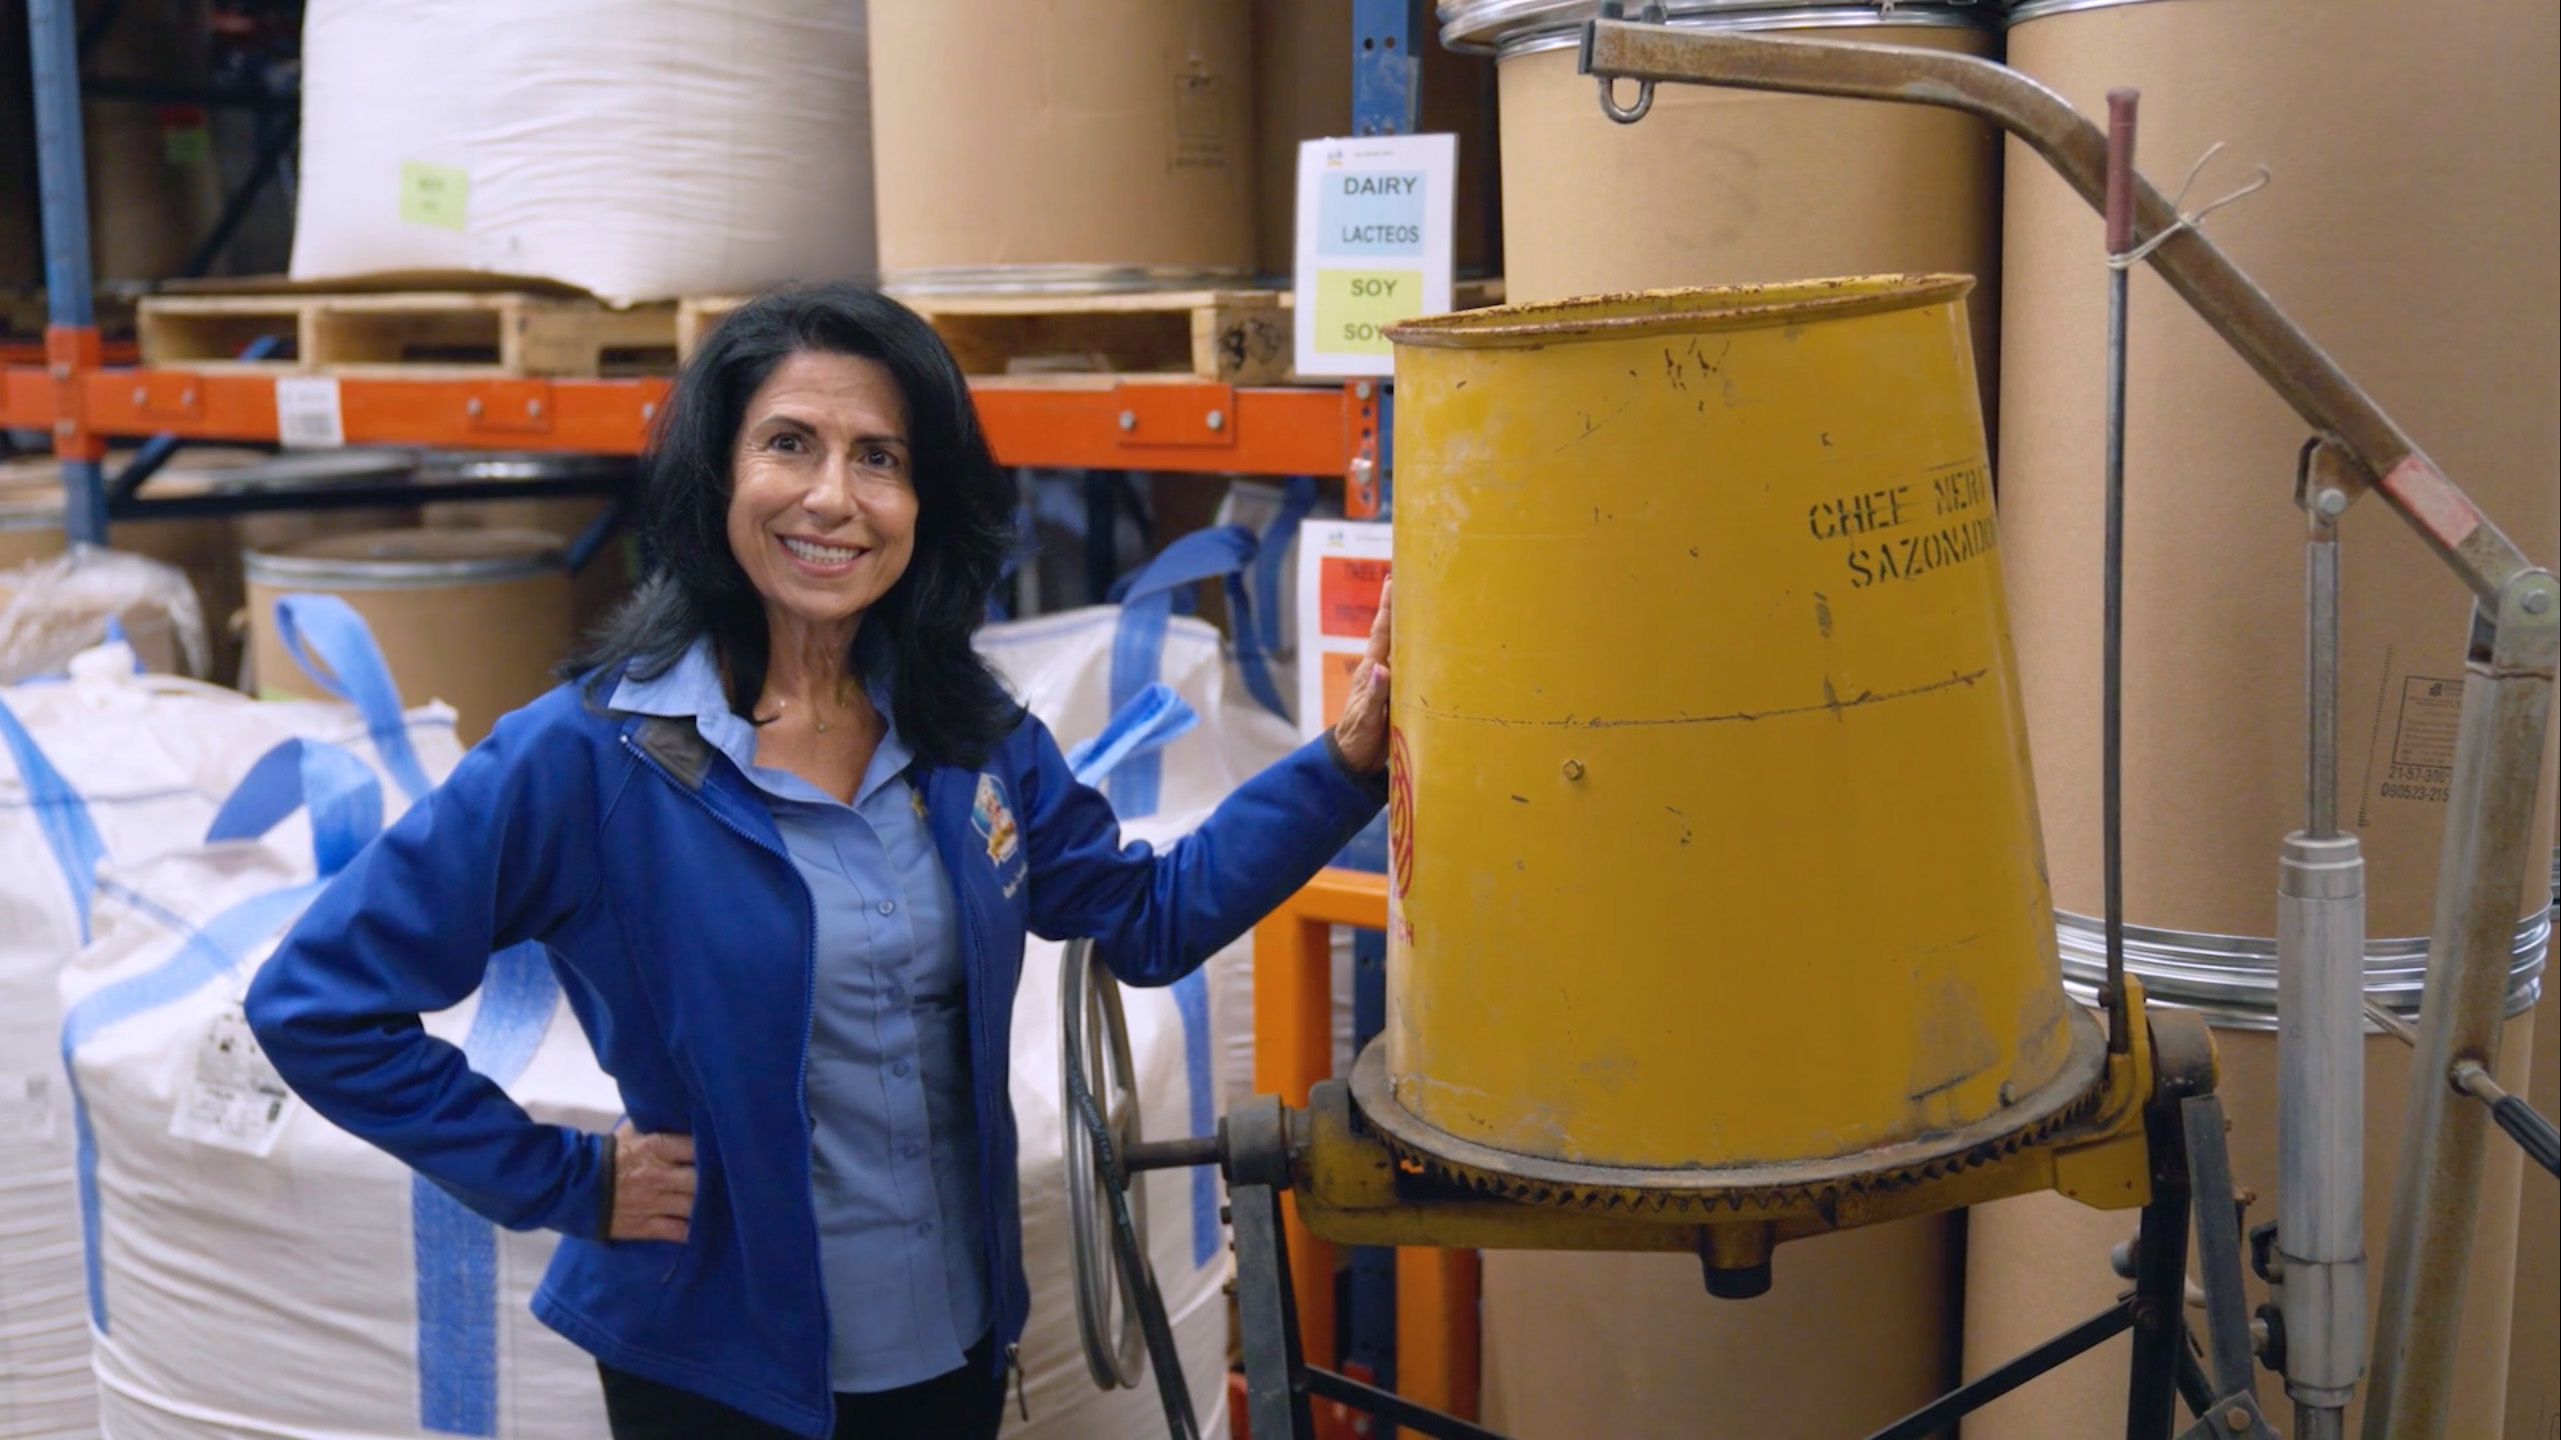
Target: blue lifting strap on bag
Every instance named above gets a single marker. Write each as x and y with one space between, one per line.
345 801
334 646
69 831
1153 718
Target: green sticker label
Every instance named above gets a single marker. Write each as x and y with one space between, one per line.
1355 307
433 194
187 147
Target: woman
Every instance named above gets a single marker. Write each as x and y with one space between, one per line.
783 838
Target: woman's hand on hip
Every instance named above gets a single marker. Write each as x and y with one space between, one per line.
1362 731
653 1186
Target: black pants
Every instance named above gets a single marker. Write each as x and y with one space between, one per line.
963 1404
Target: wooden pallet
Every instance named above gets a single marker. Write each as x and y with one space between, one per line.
422 333
1241 337
23 314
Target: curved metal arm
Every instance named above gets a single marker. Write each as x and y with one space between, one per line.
2202 275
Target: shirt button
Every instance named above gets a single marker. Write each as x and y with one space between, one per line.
924 1227
900 1069
897 992
914 1149
888 907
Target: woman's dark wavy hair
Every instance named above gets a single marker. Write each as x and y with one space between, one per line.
946 702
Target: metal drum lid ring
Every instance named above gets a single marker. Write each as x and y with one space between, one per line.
450 466
2231 979
409 559
1508 28
1060 279
2025 10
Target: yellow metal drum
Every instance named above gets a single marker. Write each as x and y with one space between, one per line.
1714 836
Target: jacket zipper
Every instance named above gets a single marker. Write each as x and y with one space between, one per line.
808 1021
999 1262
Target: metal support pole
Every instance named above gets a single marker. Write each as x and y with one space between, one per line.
2160 1289
2234 1413
2320 991
2120 239
1935 1417
1387 70
2183 1056
2498 754
2218 1244
2524 1124
1394 1408
1267 1316
54 53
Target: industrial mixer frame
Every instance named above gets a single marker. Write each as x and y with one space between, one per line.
2156 1138
1351 1185
2151 1135
2511 659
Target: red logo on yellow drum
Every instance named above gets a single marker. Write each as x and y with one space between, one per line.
1400 814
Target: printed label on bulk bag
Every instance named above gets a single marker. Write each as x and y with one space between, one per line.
237 1100
26 1107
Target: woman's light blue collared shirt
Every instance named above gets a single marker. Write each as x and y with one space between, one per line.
894 1141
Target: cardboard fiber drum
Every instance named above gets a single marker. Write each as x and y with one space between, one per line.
1739 187
1858 1330
1063 145
475 618
607 576
2455 330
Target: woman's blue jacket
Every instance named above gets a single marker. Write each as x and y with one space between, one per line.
682 935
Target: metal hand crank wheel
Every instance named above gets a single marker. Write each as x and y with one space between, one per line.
1119 1312
1095 1039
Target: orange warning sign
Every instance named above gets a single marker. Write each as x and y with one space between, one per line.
1348 595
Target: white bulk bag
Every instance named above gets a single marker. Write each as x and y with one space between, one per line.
112 765
1068 668
256 1271
641 149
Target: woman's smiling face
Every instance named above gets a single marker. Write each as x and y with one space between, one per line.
822 497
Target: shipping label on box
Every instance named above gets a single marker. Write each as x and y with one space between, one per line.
1342 566
1374 243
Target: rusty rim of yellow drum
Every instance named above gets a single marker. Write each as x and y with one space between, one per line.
1634 314
2071 1098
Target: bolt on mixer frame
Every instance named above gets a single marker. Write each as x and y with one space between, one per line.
2142 1127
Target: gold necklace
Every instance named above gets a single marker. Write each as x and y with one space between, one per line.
817 717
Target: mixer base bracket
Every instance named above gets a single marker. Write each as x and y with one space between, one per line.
1352 1187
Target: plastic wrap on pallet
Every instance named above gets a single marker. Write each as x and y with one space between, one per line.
640 151
51 610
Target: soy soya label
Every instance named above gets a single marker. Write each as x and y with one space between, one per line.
1374 220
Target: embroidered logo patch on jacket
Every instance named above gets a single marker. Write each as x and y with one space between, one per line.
994 823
